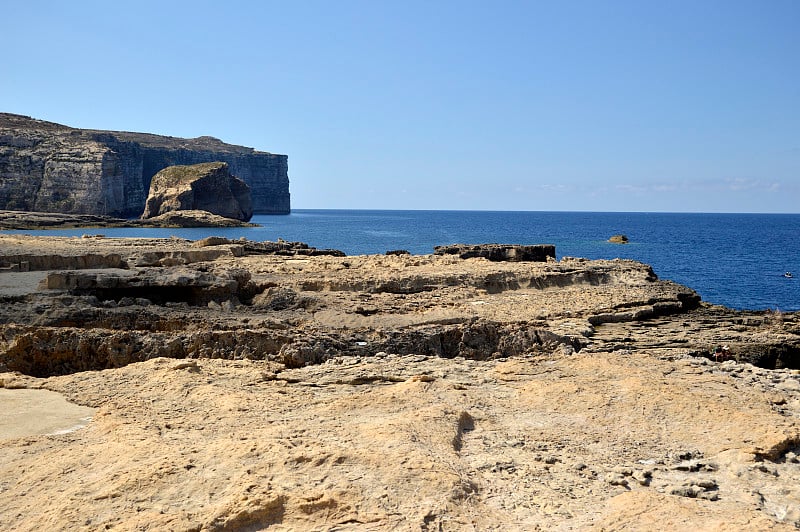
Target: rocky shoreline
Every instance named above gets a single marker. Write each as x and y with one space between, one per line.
252 385
24 220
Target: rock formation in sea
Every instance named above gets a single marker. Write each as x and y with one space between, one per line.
205 187
50 167
246 385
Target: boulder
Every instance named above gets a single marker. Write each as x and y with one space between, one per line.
206 187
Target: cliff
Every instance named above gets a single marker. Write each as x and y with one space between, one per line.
50 167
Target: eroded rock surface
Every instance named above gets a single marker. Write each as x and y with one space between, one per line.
247 389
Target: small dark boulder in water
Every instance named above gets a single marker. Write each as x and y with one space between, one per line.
618 239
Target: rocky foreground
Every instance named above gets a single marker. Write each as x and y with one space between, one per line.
247 386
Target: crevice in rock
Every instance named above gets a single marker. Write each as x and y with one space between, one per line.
466 423
779 451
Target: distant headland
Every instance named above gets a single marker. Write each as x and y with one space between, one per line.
49 167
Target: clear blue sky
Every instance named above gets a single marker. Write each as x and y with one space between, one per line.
508 105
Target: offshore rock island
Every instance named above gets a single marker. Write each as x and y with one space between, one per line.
48 167
240 385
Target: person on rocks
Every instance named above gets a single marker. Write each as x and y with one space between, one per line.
722 353
718 353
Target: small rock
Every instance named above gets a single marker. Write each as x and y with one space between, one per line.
775 398
708 495
790 385
694 466
498 467
616 479
765 469
708 484
643 476
186 364
566 350
685 491
790 515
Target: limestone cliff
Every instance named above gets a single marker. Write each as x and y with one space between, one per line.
50 167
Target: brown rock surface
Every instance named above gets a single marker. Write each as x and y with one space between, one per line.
243 390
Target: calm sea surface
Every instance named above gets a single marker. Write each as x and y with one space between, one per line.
736 260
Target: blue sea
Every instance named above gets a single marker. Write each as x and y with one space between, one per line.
736 260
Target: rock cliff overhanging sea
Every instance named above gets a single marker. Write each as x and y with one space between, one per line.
271 385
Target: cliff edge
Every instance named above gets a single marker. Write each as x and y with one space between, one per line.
49 167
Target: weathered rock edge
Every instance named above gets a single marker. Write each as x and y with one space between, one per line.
105 303
165 293
500 252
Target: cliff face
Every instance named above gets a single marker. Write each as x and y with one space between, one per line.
49 167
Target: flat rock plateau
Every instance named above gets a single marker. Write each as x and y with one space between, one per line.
242 385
